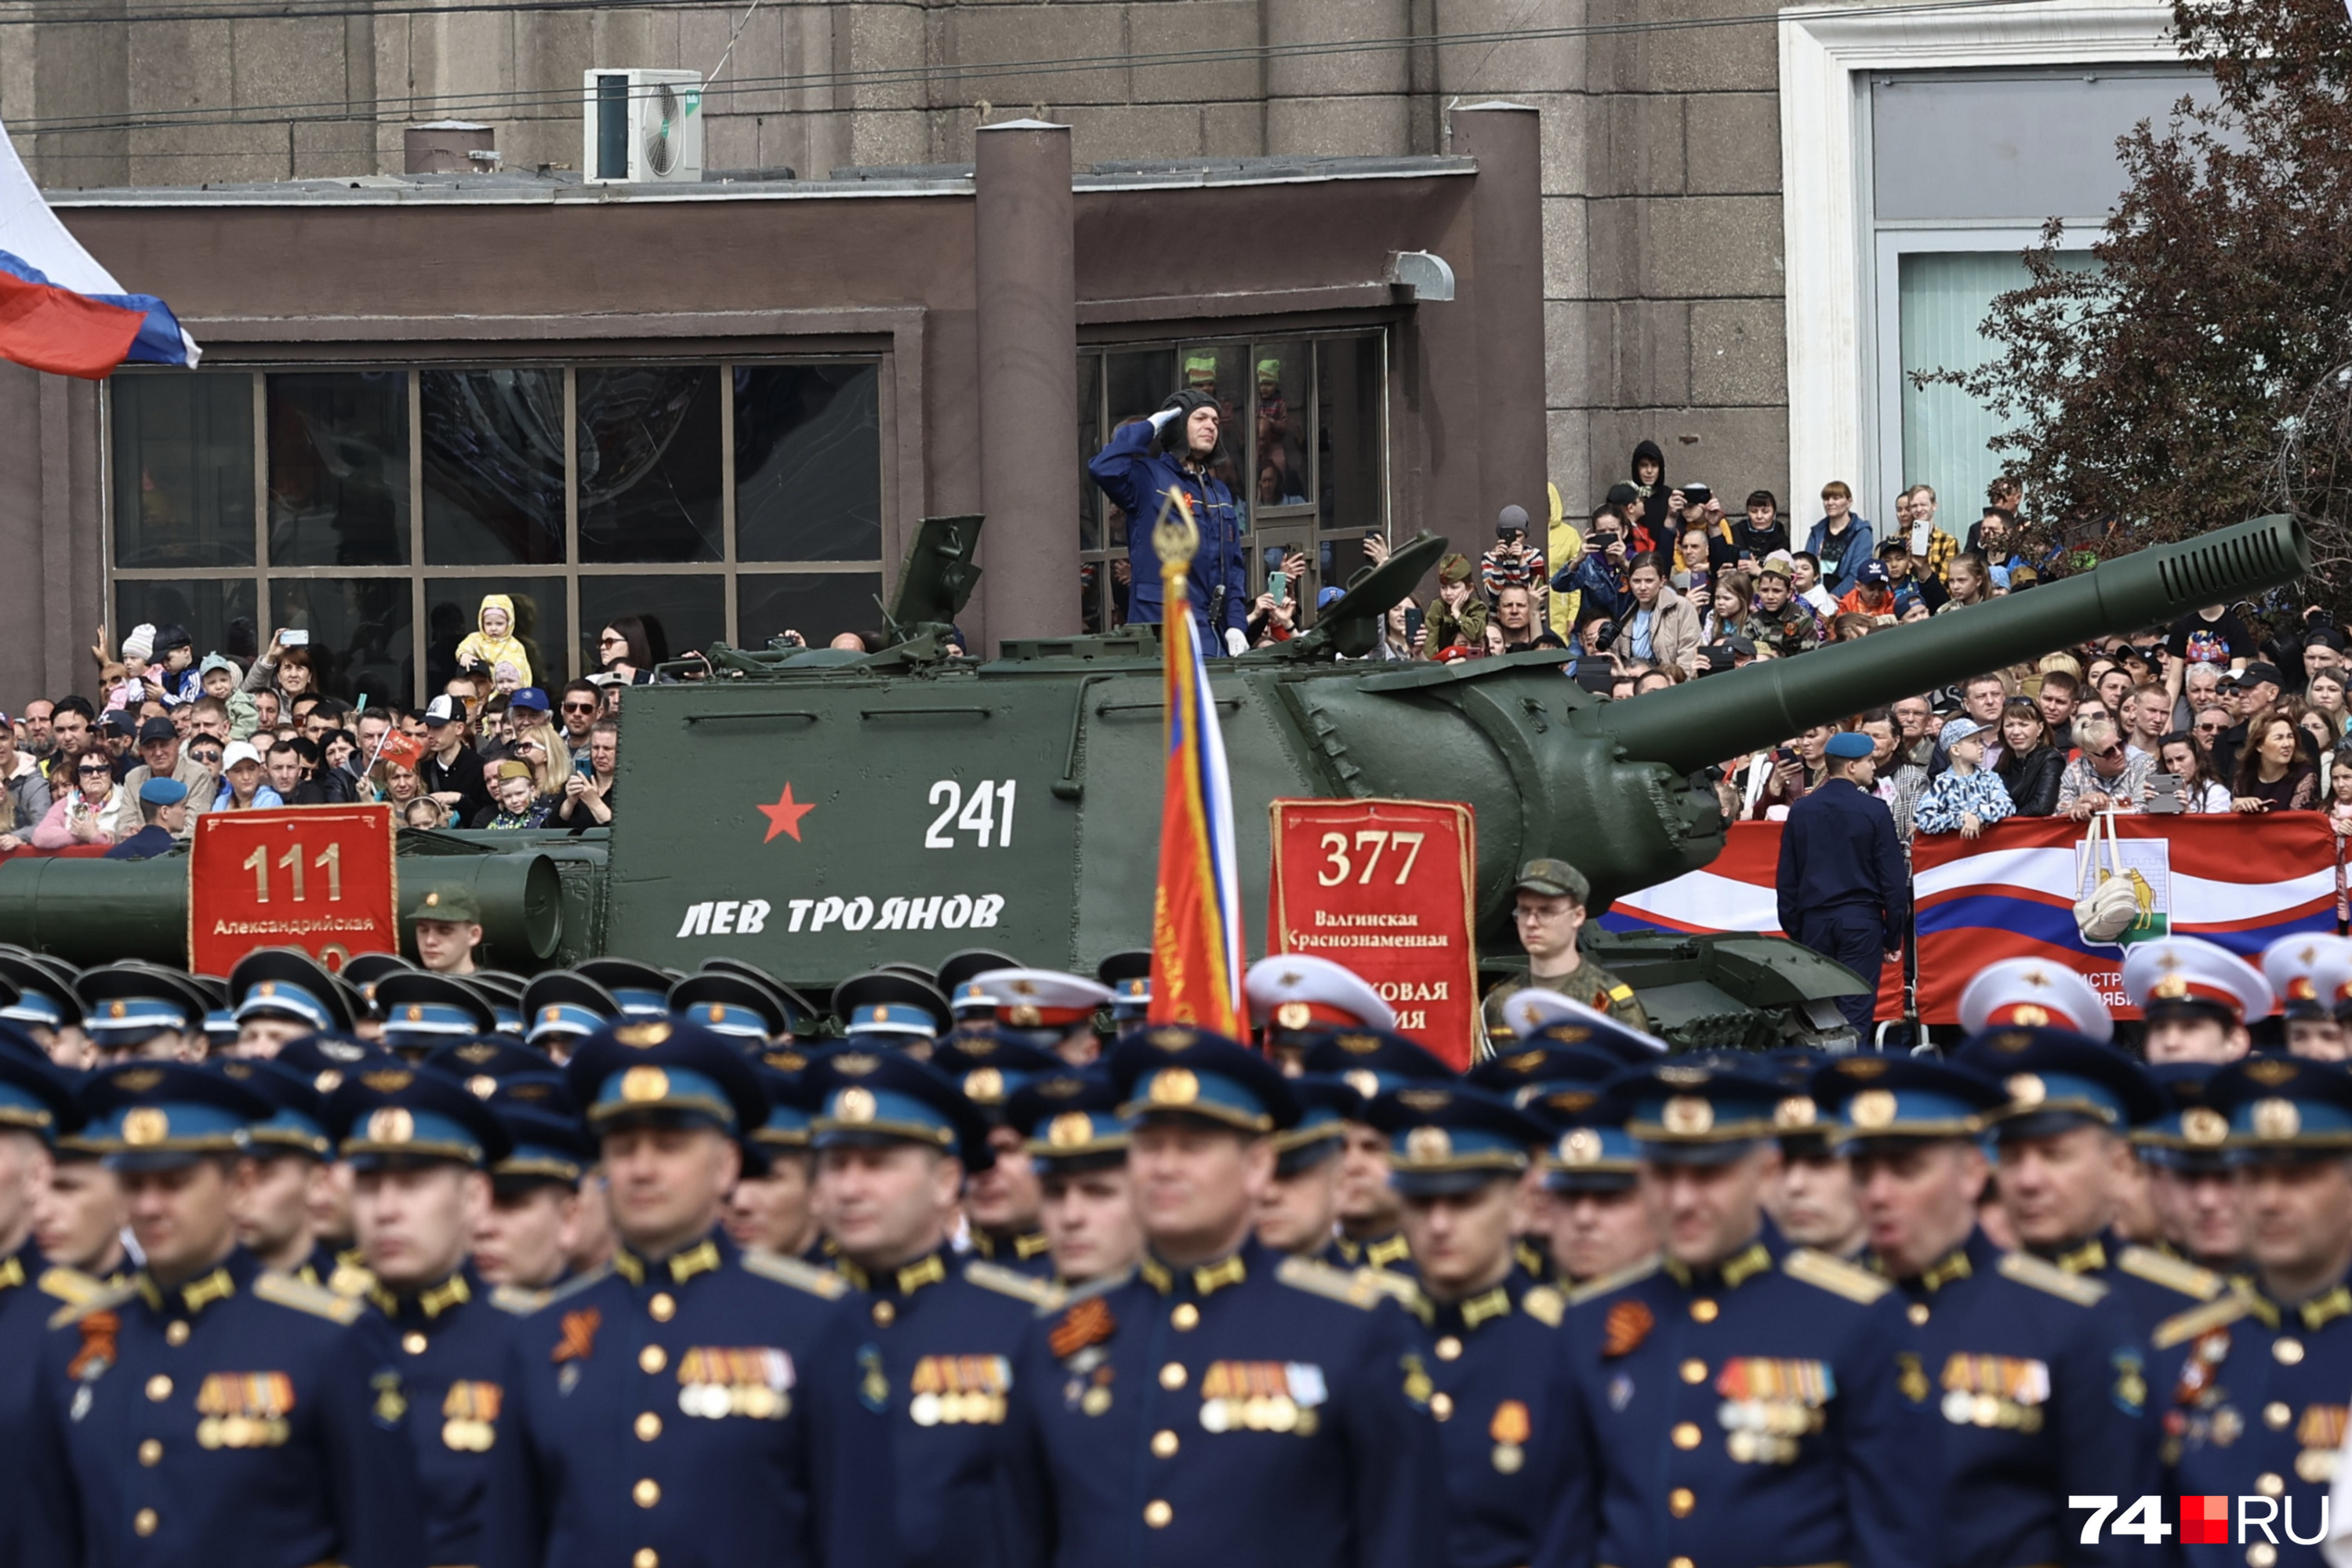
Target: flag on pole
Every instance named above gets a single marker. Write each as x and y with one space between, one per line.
1196 913
60 311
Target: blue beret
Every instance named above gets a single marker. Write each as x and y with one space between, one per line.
164 791
1851 744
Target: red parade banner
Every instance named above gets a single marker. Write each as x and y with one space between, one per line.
1385 886
319 877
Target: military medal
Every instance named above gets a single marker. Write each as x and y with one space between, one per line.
1509 1428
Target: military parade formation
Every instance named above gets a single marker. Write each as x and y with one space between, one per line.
615 1266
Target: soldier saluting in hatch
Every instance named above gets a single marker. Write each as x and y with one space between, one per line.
1139 479
1548 901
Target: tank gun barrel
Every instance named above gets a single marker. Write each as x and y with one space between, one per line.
1690 726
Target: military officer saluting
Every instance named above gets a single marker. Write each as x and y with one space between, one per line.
1489 1332
2252 1383
894 1141
1550 898
2066 1159
1740 1396
2036 1376
209 1412
1221 1405
689 1404
418 1144
1371 1062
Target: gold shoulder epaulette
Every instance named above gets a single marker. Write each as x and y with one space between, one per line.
71 1286
106 1299
2028 1269
1834 1275
1012 1282
2172 1273
1071 1295
2182 1327
1545 1305
1401 1286
1621 993
800 1276
517 1300
285 1291
574 1286
1602 1284
1333 1284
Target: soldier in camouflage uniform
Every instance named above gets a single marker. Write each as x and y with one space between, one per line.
1550 896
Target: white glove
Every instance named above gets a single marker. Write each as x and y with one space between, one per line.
1160 420
1236 640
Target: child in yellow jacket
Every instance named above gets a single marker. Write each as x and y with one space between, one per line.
495 643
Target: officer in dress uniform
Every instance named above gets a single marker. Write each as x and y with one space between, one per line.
2252 1384
210 1412
1490 1331
422 1012
2198 999
36 1106
1078 1140
1299 1211
2065 1156
1550 908
691 1405
1372 1062
279 994
2290 965
419 1146
277 1217
1593 1221
1812 1200
773 1209
1739 1392
131 1009
1001 1203
641 989
887 1009
800 1016
2190 1172
2037 1382
1048 1009
560 1009
518 1244
1842 885
893 1142
1223 1404
1296 998
1128 972
40 999
325 1061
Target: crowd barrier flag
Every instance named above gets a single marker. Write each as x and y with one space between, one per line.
2241 882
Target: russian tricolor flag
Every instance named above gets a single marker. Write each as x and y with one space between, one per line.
60 309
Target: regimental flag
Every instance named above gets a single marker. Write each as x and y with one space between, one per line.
60 309
1196 914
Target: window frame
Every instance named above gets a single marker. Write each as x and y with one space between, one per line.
730 569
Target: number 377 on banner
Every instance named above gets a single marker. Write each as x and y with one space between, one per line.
1384 887
320 878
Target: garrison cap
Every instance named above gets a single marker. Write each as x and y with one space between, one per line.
451 903
1451 1138
422 1009
547 1142
892 1004
2057 1080
1866 1097
878 1096
1070 1120
407 1114
1375 1061
1175 1069
990 1068
2178 975
1694 1110
158 1115
665 1069
2290 965
2190 1134
126 1003
1326 1105
2287 1106
734 1004
1554 879
1128 974
2034 994
641 990
1300 992
562 1005
286 982
297 1123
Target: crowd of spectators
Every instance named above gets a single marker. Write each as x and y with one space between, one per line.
172 736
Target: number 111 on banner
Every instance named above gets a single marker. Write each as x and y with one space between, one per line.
319 877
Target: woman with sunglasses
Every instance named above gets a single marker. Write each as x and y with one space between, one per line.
92 812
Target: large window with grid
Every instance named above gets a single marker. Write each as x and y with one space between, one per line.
1303 451
375 508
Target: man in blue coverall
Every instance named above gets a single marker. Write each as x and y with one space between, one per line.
1844 891
1176 449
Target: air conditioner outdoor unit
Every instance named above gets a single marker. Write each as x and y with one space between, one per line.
640 126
